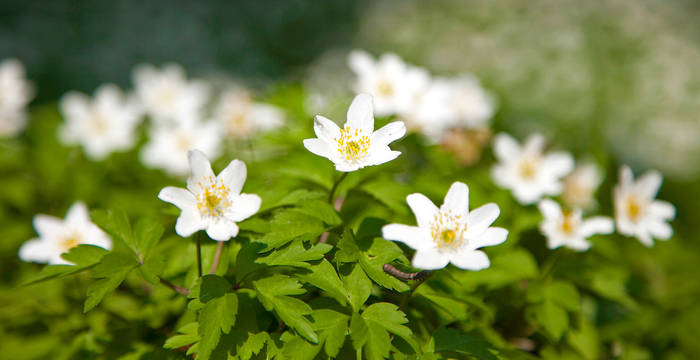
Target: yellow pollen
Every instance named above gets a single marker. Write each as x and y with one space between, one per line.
528 169
213 200
352 145
447 230
447 236
69 242
634 208
385 88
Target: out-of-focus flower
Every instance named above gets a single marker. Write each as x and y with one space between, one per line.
166 94
449 234
210 202
57 236
429 112
242 118
101 125
356 145
637 213
391 82
15 94
568 228
580 186
466 144
168 144
471 105
527 171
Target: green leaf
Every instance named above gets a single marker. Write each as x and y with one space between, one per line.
611 283
147 232
112 270
359 286
216 317
273 293
295 347
584 340
213 286
452 340
83 256
553 318
332 328
116 223
370 331
288 225
321 210
252 345
189 336
246 260
324 277
295 255
506 268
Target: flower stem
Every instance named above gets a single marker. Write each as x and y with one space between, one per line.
335 187
552 262
199 253
178 289
419 277
217 257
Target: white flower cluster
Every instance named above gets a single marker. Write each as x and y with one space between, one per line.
530 173
15 94
429 105
180 113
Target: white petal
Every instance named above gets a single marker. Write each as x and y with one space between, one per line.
662 209
457 199
233 176
381 156
430 259
200 167
244 206
78 214
188 223
360 62
46 225
534 144
579 245
596 225
222 230
388 133
413 236
660 230
179 197
361 114
505 147
559 163
480 219
470 260
649 183
326 129
550 209
423 208
36 250
645 238
345 166
626 177
491 237
318 147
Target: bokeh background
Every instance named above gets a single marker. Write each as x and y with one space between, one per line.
613 79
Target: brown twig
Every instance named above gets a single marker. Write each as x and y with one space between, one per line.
217 257
178 289
419 276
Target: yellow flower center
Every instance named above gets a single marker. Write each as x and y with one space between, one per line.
385 88
352 145
634 208
570 223
447 230
98 123
184 142
528 168
213 200
70 241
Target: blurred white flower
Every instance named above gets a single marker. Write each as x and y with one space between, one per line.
527 171
15 93
212 203
450 234
356 145
389 80
568 228
429 112
580 186
167 94
637 213
242 118
169 143
470 104
57 236
101 125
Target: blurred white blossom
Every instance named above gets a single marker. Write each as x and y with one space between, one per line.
471 106
241 117
526 170
568 228
580 186
57 236
15 93
101 125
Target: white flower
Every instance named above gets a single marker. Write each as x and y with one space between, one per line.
57 236
167 94
430 112
241 117
451 233
637 213
212 203
389 80
15 94
356 145
471 105
567 228
580 186
102 125
527 171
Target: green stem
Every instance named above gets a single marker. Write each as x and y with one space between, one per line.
178 289
335 187
217 256
199 253
408 295
552 262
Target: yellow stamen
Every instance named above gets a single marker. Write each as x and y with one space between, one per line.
69 242
352 144
213 200
448 230
528 168
385 88
634 208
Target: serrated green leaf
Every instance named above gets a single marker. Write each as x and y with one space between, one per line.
216 317
112 269
552 317
324 277
83 256
321 210
253 344
147 232
189 336
213 286
295 347
288 225
452 340
564 294
370 331
332 328
359 286
295 255
116 223
246 260
273 293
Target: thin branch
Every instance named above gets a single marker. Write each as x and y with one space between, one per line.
178 289
419 276
217 257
